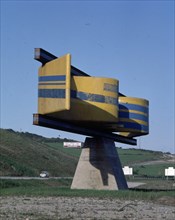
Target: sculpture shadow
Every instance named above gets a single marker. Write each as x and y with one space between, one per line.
104 157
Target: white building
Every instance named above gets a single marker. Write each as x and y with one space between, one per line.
170 171
72 144
128 170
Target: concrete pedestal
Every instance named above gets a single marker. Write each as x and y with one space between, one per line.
99 167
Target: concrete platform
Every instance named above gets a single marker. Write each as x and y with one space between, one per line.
99 166
134 184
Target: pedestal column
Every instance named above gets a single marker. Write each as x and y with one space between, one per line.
99 166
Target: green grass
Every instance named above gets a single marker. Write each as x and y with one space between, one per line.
132 156
44 190
72 152
155 170
155 184
11 183
25 154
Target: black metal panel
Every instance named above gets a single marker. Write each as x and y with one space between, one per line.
48 122
43 56
77 72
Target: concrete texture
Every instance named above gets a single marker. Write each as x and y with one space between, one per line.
99 167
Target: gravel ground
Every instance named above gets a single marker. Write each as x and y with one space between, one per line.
28 208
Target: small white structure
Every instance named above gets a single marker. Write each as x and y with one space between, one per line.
170 171
72 144
128 170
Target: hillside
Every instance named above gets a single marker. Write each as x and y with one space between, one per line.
26 154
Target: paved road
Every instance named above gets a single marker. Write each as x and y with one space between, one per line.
155 162
130 184
30 178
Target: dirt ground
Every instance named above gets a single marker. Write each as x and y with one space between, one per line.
34 208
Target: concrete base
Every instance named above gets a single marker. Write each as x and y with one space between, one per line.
99 167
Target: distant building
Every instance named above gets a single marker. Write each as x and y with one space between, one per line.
170 171
128 170
72 144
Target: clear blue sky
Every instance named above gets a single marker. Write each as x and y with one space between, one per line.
132 41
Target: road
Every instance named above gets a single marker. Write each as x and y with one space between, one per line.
155 162
30 178
130 184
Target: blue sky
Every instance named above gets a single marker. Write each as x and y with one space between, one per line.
132 41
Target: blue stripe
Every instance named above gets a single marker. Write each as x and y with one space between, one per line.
51 93
60 93
136 126
46 84
52 78
110 87
94 97
130 115
126 106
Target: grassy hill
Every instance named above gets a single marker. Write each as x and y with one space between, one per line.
25 154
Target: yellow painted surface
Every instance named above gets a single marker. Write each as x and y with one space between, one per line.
133 100
94 110
133 116
89 110
58 67
89 101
